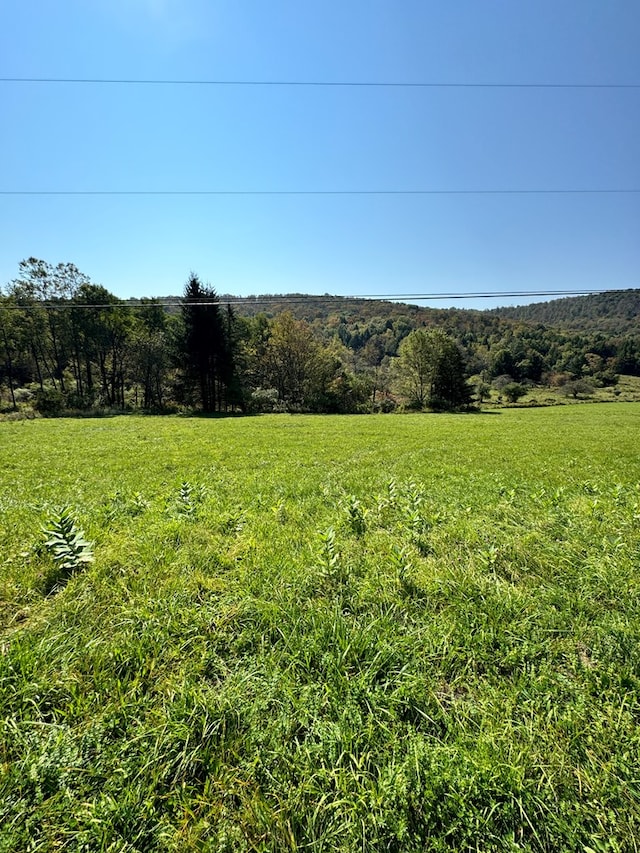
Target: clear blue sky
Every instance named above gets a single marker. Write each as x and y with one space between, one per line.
99 137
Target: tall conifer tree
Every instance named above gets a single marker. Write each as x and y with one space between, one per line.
207 357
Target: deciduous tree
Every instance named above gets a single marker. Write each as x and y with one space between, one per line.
432 370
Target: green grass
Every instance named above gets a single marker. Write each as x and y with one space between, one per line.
626 390
380 633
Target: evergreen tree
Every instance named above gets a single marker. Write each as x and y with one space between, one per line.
207 358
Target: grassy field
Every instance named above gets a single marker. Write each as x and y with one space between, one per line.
376 633
626 390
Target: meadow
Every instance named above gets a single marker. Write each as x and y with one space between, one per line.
316 633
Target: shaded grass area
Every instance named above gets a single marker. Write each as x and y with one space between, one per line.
324 633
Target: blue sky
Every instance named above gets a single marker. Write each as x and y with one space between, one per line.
135 137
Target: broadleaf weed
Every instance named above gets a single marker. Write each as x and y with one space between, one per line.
188 500
66 544
356 515
401 562
331 558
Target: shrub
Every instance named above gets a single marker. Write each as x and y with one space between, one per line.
23 395
577 388
265 400
49 401
513 391
483 391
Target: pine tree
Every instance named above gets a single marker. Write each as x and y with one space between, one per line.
207 354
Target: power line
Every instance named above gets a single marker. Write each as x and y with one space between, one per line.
370 84
299 299
368 192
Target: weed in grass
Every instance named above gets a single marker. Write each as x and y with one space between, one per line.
332 562
233 521
67 545
120 506
413 504
185 503
402 566
387 503
356 515
279 511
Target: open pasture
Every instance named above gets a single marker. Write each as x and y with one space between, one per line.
314 633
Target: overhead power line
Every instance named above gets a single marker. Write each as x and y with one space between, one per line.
370 84
397 192
298 299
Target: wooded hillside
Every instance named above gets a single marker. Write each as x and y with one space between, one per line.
69 344
617 311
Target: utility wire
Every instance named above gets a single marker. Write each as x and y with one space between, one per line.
379 192
298 299
371 84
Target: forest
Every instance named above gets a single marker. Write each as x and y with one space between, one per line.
68 345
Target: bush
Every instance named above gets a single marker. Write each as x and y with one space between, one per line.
606 378
22 395
385 405
483 391
501 381
577 388
266 400
49 401
513 391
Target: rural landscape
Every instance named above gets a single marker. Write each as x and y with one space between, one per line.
69 346
320 427
247 607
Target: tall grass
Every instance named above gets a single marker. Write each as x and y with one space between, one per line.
318 634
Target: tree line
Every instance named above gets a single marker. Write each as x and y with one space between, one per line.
67 343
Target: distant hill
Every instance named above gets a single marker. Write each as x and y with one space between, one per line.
613 313
594 337
616 312
568 335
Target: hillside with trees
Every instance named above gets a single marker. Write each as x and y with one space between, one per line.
605 343
617 311
69 345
